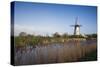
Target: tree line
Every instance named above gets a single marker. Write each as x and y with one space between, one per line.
25 39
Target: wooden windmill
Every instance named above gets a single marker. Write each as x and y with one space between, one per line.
76 27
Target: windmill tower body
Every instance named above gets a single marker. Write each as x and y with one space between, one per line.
77 30
76 27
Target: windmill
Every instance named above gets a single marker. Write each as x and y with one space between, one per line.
76 27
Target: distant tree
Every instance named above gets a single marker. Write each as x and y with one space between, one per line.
23 34
65 35
94 35
91 35
76 36
56 34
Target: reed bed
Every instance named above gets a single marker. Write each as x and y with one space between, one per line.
54 53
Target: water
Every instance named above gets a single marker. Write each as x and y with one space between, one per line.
54 53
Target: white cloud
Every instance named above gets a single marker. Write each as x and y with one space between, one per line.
38 29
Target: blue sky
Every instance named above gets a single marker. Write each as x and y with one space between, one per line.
43 19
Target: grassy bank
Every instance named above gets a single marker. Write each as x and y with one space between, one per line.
22 41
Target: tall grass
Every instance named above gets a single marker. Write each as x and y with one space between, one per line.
55 53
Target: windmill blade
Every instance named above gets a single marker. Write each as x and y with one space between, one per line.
76 21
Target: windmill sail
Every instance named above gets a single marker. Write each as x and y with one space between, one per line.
76 27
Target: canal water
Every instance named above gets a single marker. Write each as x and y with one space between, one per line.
54 53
